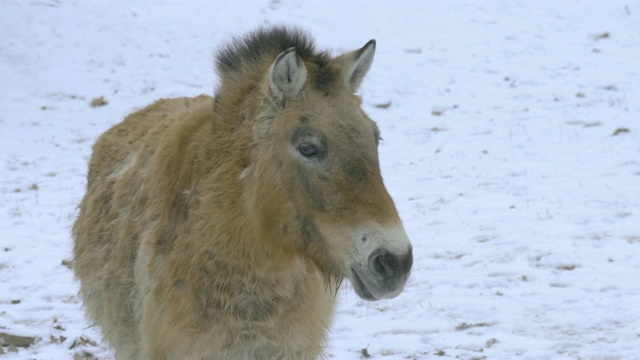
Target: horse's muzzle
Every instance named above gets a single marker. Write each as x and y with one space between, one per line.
384 275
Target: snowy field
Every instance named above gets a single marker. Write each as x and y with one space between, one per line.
511 147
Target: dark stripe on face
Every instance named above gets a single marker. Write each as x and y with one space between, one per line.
315 194
356 170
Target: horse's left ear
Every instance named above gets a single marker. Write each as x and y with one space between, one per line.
287 75
356 64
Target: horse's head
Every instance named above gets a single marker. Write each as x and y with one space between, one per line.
316 156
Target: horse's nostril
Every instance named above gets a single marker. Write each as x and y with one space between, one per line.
384 264
380 268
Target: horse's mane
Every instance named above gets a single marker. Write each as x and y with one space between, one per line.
245 58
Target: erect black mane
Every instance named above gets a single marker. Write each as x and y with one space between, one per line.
268 41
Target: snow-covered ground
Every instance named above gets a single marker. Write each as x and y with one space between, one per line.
511 147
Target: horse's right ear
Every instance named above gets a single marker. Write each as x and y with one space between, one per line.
287 75
356 64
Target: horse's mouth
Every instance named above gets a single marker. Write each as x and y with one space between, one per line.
359 286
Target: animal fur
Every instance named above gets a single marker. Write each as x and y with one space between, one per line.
205 234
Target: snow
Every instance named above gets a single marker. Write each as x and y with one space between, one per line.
511 147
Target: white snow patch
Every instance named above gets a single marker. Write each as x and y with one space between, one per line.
511 147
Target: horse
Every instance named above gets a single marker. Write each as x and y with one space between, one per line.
222 227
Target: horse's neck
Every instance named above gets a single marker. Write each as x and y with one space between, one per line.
254 294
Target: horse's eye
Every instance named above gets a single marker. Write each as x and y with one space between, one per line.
308 150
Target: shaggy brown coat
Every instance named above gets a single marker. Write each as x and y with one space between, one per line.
222 229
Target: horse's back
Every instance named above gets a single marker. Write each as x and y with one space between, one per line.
114 210
139 129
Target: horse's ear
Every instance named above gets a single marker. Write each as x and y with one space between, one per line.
287 75
356 65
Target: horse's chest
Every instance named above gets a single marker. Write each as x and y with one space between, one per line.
261 324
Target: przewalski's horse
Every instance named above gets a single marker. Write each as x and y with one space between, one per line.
221 229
